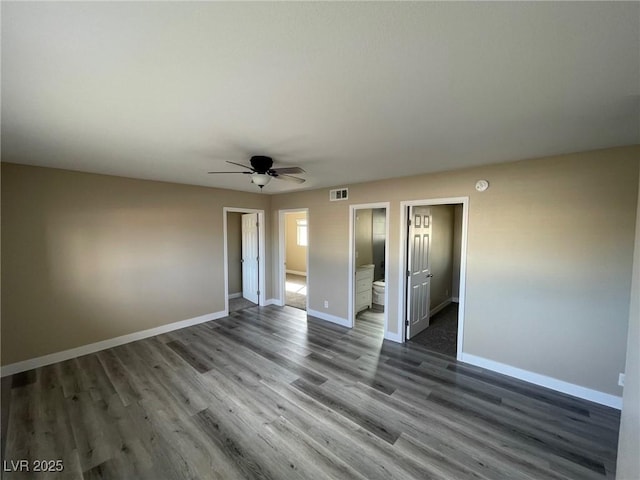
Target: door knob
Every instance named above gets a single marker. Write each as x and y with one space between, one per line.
430 275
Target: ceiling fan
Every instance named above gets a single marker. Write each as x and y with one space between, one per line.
261 171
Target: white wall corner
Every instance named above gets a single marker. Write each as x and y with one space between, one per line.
274 301
544 381
56 357
329 318
440 307
393 337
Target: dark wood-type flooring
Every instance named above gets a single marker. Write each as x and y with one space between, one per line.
266 394
240 303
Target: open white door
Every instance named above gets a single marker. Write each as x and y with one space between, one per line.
250 270
419 270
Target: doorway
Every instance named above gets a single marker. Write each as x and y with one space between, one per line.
368 262
434 237
294 252
244 253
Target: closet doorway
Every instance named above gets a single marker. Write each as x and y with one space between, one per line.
294 271
244 253
434 238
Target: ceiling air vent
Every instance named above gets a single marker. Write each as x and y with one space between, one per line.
338 194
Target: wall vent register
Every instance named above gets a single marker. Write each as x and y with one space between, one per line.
338 194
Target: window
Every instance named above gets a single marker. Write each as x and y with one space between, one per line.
301 228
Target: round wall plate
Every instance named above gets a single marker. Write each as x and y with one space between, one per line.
482 185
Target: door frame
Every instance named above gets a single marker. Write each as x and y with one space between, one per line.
402 278
352 257
282 271
261 254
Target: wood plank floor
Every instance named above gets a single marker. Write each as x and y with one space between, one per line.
266 394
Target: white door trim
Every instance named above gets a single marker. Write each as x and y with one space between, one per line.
402 279
261 254
352 271
282 274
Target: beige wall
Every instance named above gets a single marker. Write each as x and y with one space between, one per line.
548 261
90 257
296 256
363 237
234 252
628 467
441 253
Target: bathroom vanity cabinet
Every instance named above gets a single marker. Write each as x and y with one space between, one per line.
364 284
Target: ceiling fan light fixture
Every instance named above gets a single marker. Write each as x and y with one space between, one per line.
260 179
261 171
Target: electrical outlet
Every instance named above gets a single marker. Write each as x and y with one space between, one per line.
621 379
326 304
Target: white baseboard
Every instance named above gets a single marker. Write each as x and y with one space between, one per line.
234 295
104 344
297 272
544 381
274 301
394 337
435 310
329 318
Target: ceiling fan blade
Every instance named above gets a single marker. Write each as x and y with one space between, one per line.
290 178
247 173
287 170
240 165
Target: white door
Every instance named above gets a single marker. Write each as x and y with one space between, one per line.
250 284
418 270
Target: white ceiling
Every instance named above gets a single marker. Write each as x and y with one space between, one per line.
351 92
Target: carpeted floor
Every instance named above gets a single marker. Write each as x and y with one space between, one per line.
296 291
441 335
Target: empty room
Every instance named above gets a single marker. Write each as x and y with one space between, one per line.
348 240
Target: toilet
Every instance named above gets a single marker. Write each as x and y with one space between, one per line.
378 292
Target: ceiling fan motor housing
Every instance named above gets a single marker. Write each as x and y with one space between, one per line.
261 164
